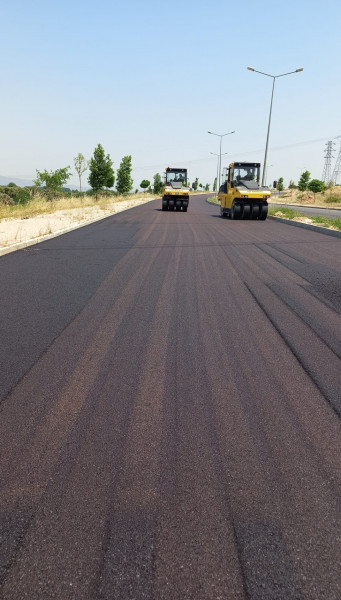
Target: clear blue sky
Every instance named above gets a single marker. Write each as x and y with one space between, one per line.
150 78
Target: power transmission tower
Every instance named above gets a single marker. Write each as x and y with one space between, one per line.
326 175
337 168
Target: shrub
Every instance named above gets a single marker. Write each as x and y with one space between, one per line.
6 199
11 190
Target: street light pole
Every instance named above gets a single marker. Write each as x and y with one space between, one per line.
215 154
267 172
221 136
274 77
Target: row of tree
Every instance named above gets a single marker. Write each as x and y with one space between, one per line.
102 175
304 184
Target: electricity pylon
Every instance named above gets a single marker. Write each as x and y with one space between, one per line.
326 175
337 168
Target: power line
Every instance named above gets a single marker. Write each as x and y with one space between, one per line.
248 152
206 159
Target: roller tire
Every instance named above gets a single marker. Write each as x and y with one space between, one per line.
263 212
171 204
255 211
247 212
178 205
236 211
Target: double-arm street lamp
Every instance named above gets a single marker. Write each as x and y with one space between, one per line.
274 77
218 155
221 137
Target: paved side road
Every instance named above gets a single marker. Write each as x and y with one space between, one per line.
170 411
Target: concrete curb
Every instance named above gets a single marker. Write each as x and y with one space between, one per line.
316 228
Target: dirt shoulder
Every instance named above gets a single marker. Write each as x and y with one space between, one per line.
21 232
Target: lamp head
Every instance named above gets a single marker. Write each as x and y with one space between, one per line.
250 68
298 70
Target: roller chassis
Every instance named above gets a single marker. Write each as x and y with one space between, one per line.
241 196
175 190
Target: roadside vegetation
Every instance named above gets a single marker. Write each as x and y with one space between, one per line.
308 192
329 198
39 205
49 193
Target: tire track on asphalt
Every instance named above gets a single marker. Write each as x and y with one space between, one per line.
30 473
132 522
314 355
197 556
260 419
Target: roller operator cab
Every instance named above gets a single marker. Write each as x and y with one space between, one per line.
241 196
175 190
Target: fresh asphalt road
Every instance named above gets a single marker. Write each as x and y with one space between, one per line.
170 387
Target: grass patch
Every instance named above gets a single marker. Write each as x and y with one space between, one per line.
286 213
330 223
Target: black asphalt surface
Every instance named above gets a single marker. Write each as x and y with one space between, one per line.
169 417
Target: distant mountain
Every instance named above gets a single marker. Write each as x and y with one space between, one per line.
21 182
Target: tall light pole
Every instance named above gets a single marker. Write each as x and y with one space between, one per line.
267 172
221 135
215 154
274 77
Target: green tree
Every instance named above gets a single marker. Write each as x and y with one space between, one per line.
303 182
157 184
316 186
53 180
195 184
81 165
145 184
207 187
280 184
291 186
124 181
215 185
101 171
22 196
